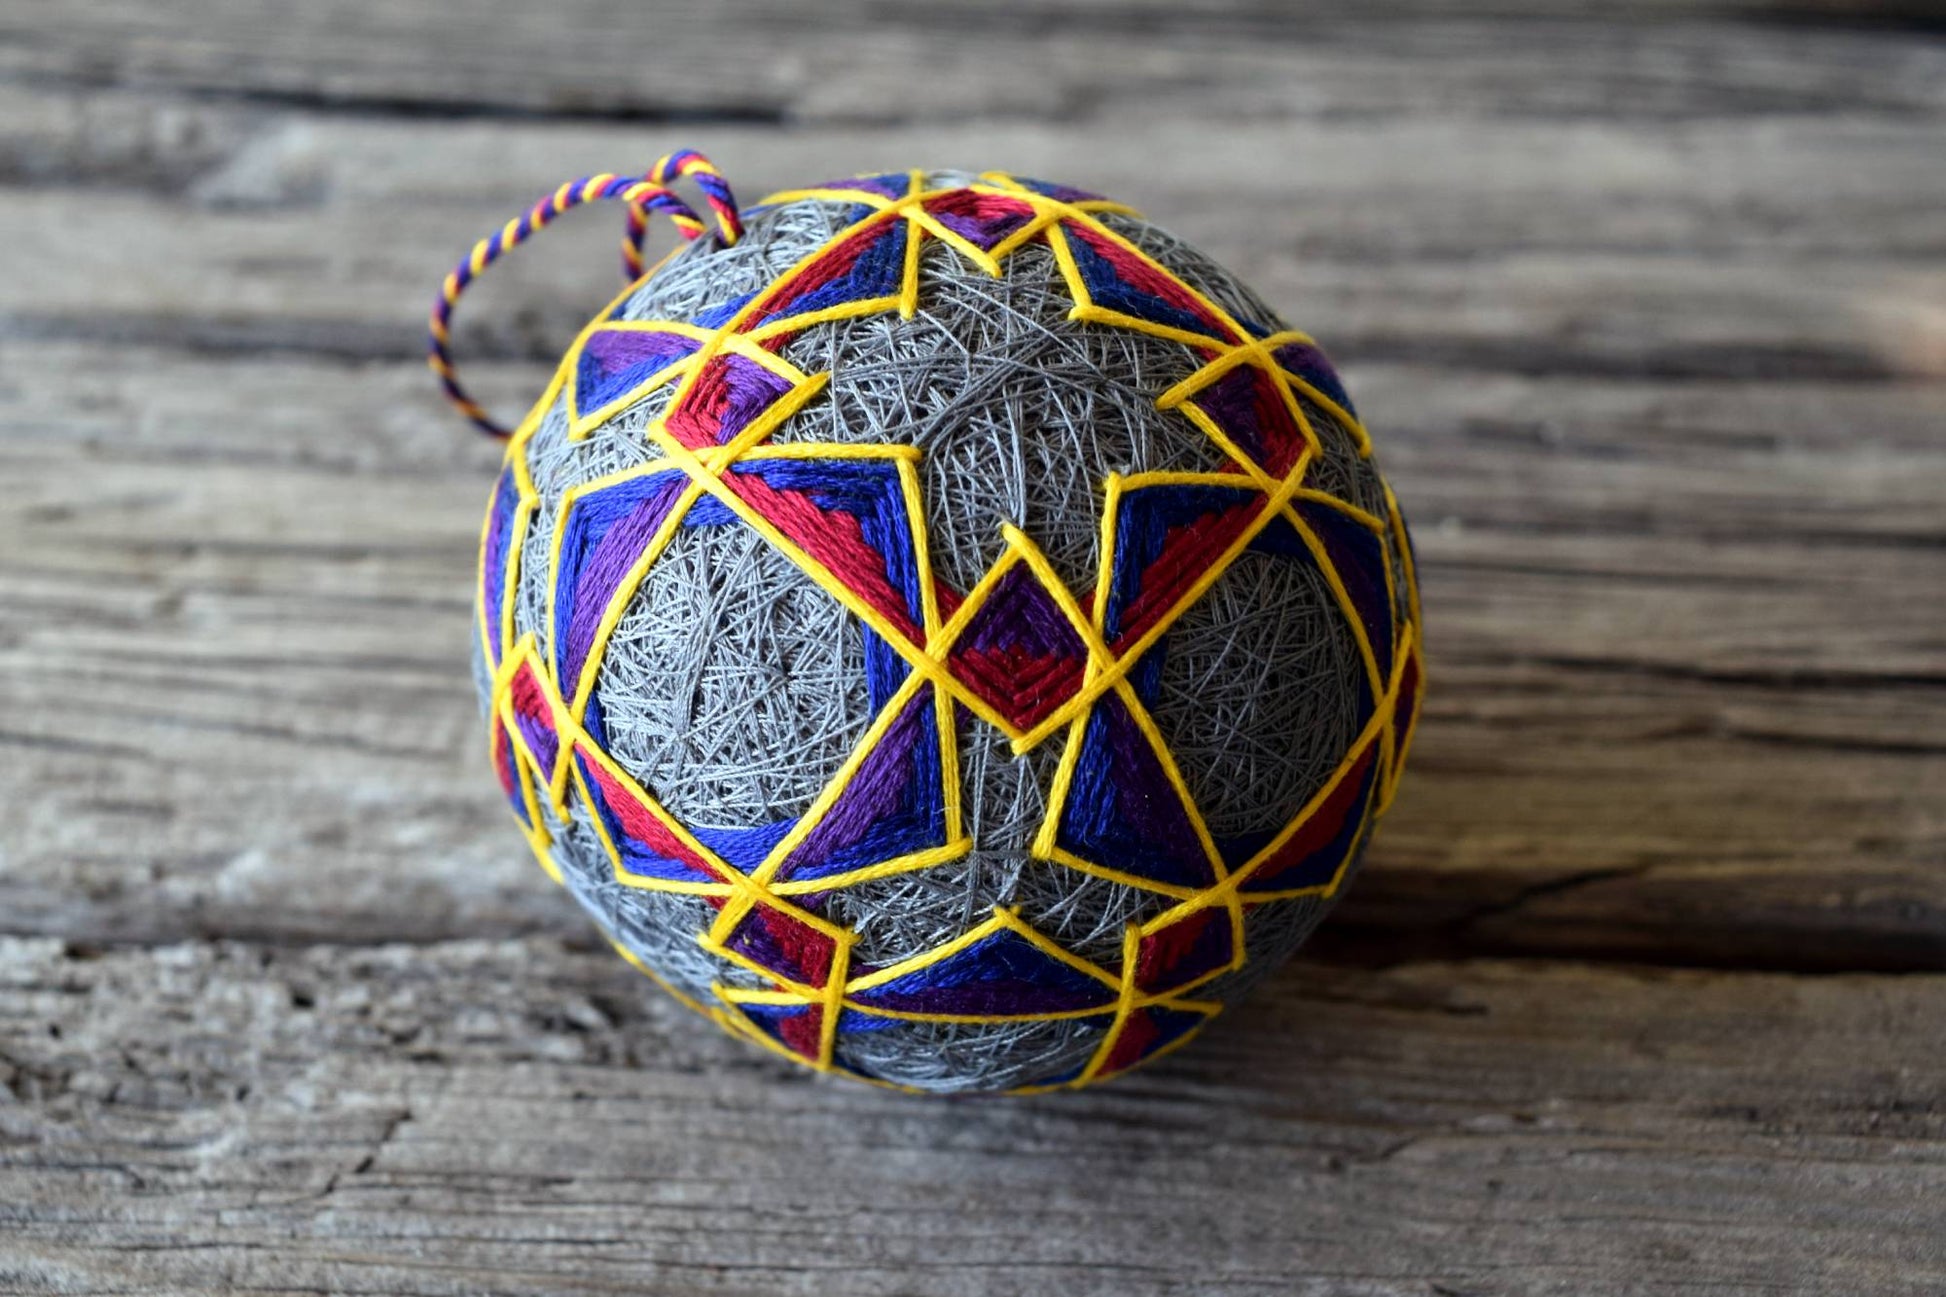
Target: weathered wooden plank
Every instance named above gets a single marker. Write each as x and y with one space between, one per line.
1674 464
762 60
1687 698
1684 251
1651 323
520 1117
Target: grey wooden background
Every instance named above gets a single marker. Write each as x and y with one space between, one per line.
1645 987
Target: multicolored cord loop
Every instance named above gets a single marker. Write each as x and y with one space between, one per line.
641 194
715 190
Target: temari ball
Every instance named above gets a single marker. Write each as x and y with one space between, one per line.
954 635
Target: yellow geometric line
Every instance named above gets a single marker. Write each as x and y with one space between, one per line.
741 908
925 220
909 275
819 451
927 958
739 1024
1125 1004
1338 413
1400 743
850 196
1042 1015
1093 688
743 891
953 849
915 510
719 458
1403 549
785 325
523 514
1240 334
621 872
1111 510
617 605
1255 353
1375 677
1160 747
1044 845
1062 856
1003 920
483 616
1092 314
636 962
836 787
914 654
1326 500
945 721
1057 589
834 1003
762 995
1057 240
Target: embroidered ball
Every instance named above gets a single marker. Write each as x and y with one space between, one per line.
955 635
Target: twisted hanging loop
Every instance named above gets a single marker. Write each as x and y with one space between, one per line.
715 190
640 194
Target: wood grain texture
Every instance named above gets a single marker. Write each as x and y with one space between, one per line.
874 61
514 1117
1644 987
1597 431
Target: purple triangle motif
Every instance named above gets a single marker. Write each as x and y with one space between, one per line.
1122 812
1001 975
1019 652
891 807
615 362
